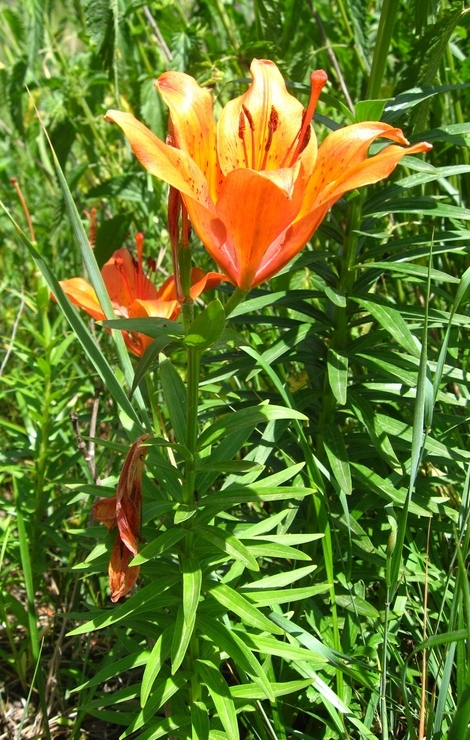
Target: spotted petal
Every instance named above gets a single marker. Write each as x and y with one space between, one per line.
171 165
264 106
193 123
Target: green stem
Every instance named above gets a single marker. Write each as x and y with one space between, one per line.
382 47
189 497
235 299
338 342
194 364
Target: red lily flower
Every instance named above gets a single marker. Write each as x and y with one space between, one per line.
124 510
254 184
134 295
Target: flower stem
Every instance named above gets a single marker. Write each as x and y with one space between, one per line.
237 297
382 47
194 364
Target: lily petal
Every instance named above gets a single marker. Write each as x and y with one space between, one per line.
171 165
160 309
257 129
122 576
193 123
253 222
82 294
202 281
341 154
123 281
104 511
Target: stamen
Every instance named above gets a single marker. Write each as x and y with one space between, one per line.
273 125
241 126
306 139
241 135
249 117
251 124
151 264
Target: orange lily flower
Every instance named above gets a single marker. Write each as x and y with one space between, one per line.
124 510
134 295
255 185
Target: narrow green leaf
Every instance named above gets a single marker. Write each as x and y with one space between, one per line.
229 466
393 322
238 604
288 539
199 721
221 697
162 691
150 326
161 543
384 488
230 642
271 550
94 273
192 580
149 359
155 729
270 646
338 457
154 661
338 375
175 397
214 503
280 580
228 543
144 597
245 418
375 429
182 634
251 691
284 595
115 668
341 661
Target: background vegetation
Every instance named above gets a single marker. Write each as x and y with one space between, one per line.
372 350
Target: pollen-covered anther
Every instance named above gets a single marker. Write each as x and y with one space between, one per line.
241 126
306 139
249 117
273 125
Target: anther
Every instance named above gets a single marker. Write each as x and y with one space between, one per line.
273 125
249 117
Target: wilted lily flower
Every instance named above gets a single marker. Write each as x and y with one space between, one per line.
254 184
133 294
124 510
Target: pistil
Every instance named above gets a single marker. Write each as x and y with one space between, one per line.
318 80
